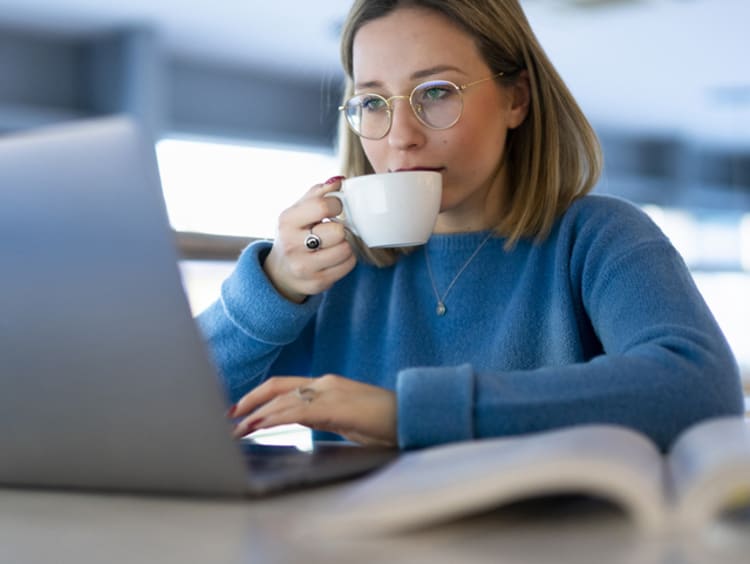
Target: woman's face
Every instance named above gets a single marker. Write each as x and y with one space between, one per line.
391 55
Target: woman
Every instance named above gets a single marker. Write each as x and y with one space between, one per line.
532 306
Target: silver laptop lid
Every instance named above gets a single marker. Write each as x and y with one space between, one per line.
104 379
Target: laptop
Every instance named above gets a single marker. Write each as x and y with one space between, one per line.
105 381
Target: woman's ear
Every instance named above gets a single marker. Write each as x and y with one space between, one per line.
521 92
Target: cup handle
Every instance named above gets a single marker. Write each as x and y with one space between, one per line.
344 221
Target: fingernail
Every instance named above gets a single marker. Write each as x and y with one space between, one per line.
334 179
252 425
231 411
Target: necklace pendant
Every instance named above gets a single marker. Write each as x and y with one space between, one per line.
440 309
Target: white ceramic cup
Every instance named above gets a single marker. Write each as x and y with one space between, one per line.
395 209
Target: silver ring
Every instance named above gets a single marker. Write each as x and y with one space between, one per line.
312 241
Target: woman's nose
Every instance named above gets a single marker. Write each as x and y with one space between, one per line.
406 130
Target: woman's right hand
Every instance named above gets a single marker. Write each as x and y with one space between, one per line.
296 271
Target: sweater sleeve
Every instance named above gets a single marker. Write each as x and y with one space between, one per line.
665 365
249 326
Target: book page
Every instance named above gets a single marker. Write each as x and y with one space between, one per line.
443 482
709 468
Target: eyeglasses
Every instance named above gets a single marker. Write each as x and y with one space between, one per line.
438 104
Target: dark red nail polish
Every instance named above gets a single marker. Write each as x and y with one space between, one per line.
334 179
252 425
231 411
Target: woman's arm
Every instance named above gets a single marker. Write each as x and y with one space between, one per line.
665 362
274 291
251 324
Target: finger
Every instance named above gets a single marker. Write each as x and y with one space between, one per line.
284 409
296 272
310 403
321 409
358 411
333 249
319 276
267 391
326 262
333 183
331 233
319 190
294 222
313 207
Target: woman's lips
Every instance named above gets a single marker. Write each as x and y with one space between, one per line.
429 168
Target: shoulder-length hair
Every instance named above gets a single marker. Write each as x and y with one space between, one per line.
552 158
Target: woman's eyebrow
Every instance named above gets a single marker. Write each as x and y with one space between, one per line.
422 73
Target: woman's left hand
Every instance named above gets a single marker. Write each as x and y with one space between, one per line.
360 412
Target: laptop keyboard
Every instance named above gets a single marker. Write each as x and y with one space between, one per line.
278 467
269 457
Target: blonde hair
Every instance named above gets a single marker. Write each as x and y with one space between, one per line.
552 158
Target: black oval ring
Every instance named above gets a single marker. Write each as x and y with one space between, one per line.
313 242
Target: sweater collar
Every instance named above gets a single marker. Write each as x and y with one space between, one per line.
439 242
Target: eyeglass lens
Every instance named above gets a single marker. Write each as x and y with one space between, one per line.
437 104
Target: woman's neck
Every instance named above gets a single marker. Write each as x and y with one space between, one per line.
482 211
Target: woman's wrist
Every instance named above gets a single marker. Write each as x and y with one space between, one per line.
288 293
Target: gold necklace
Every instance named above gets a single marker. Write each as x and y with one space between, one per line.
440 309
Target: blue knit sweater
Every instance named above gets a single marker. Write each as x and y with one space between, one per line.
601 322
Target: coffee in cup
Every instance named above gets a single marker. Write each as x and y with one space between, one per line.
395 209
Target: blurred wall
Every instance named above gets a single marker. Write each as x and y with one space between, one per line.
48 79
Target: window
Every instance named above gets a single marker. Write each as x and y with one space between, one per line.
716 248
233 189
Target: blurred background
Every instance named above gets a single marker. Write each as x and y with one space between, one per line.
240 97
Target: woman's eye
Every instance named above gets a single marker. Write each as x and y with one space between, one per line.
373 103
434 93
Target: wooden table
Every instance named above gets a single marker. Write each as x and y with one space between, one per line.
58 527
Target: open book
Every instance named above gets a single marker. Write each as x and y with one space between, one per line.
706 473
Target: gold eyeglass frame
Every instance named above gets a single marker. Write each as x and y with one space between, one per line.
389 111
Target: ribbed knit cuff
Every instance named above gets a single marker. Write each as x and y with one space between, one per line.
435 405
